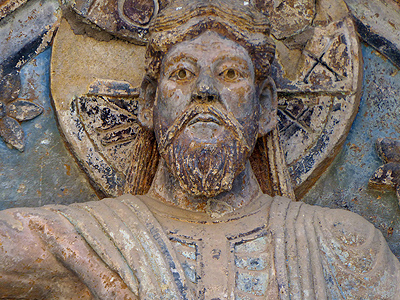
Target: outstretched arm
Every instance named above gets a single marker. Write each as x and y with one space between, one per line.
28 269
43 257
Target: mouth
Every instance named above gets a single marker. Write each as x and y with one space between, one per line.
205 118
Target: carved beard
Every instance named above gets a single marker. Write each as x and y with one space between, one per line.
205 169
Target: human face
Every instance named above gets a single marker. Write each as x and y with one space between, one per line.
209 70
206 113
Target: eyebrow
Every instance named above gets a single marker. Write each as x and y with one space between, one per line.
235 58
176 58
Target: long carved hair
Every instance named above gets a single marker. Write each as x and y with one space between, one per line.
185 20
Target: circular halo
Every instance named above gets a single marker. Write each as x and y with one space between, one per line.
317 71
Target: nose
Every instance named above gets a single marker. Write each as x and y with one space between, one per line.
205 90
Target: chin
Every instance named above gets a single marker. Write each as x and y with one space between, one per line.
206 169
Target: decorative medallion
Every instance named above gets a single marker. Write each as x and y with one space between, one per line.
287 18
95 87
128 19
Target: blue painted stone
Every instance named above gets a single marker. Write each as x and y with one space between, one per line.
45 172
345 183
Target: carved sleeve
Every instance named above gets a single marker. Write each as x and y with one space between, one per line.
42 256
323 253
357 256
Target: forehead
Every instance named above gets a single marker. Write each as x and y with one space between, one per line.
208 47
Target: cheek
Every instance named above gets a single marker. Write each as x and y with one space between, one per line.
171 101
240 100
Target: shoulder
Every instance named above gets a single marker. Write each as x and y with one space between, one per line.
349 249
340 230
347 230
355 249
345 226
21 240
343 237
26 219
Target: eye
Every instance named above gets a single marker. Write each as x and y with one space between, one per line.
230 74
182 74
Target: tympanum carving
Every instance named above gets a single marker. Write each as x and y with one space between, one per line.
196 133
316 71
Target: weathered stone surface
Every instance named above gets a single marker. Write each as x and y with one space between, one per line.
378 23
11 132
23 110
207 106
388 150
75 68
8 6
388 175
287 17
139 12
325 75
128 19
324 14
26 32
13 110
345 182
10 87
45 172
97 125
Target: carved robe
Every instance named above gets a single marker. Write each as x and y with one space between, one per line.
133 247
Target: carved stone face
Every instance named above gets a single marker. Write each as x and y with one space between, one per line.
206 113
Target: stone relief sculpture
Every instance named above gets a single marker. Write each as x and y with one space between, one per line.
199 140
388 175
318 89
13 109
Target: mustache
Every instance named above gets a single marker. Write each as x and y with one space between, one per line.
216 110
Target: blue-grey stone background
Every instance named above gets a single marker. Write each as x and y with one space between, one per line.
45 172
345 182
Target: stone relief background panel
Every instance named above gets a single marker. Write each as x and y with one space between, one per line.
45 172
28 178
346 180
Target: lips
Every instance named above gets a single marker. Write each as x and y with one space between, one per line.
206 118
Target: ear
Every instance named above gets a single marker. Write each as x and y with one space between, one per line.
269 106
148 91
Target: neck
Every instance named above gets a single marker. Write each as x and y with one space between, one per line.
167 189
